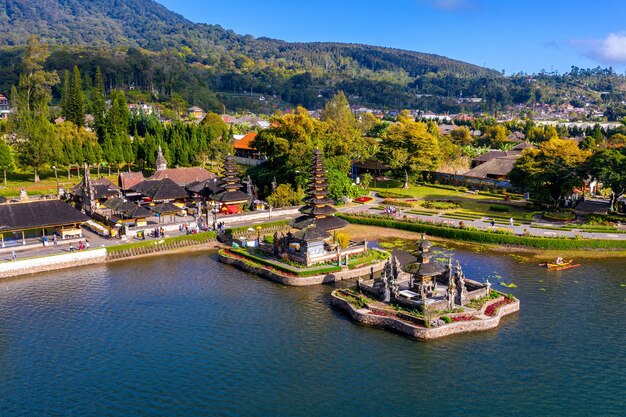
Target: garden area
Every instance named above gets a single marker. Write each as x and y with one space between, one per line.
454 202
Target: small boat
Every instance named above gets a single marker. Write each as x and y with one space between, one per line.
551 265
569 266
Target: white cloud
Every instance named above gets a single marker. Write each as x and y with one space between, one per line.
610 50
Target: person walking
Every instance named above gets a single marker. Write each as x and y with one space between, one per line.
71 247
87 245
54 239
493 223
511 221
13 255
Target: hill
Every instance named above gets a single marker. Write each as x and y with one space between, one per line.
144 47
149 25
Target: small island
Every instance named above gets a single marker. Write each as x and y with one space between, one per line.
424 300
316 253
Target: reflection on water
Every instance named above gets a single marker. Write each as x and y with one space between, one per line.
185 335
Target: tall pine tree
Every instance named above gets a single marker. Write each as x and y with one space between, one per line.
75 103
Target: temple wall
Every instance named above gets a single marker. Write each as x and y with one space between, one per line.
50 263
423 333
301 281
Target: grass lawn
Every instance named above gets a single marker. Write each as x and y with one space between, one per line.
472 205
47 184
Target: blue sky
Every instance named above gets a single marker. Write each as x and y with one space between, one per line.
513 35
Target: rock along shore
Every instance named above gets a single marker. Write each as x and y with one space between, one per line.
363 316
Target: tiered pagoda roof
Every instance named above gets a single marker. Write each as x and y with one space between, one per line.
317 217
231 185
423 267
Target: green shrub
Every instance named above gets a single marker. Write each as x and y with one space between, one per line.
564 215
499 208
439 204
391 194
446 319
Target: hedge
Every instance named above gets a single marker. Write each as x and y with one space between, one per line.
282 267
487 237
199 237
240 229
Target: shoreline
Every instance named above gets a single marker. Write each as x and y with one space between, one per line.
365 317
90 257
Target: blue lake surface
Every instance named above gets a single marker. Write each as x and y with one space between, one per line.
182 335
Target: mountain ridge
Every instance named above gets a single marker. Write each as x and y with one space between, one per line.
150 25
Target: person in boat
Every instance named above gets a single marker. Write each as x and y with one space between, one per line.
559 261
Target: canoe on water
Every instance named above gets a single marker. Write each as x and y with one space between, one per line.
566 267
555 265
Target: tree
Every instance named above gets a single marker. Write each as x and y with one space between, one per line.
461 136
6 159
285 196
410 147
550 171
99 105
35 84
609 167
74 102
366 180
36 144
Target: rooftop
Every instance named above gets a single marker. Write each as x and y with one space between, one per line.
38 214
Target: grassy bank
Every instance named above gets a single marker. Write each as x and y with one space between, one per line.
488 238
143 244
257 261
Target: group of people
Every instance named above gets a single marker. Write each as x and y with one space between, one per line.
391 210
221 227
158 232
81 246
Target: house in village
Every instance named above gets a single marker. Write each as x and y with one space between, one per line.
4 107
196 113
245 153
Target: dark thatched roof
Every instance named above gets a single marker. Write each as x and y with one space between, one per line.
311 233
133 211
159 190
232 197
326 223
166 208
424 269
38 214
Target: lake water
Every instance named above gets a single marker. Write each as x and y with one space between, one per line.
183 335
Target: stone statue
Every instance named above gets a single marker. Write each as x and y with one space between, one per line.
386 292
372 273
274 184
451 294
460 285
488 284
397 268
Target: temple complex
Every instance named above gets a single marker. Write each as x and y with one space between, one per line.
424 299
424 283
